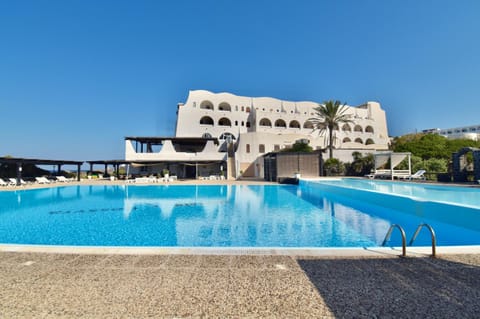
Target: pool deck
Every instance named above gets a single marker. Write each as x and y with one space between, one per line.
93 282
45 285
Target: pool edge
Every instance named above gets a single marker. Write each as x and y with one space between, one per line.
301 251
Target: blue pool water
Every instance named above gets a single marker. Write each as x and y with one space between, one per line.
312 214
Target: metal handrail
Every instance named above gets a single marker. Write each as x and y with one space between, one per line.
432 233
404 238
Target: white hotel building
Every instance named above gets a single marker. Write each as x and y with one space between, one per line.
218 132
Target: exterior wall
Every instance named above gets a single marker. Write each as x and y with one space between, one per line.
263 125
471 132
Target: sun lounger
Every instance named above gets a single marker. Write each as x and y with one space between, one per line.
418 175
13 181
42 180
4 183
63 179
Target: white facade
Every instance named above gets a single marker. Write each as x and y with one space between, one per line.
471 132
254 126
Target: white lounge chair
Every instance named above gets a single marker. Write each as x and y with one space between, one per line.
3 183
42 180
13 181
418 175
63 179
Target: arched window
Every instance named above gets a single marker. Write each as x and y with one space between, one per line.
248 124
369 141
206 105
226 135
224 106
224 122
247 110
206 120
294 124
369 129
265 122
358 140
247 148
280 123
308 124
236 123
358 128
346 140
346 128
207 135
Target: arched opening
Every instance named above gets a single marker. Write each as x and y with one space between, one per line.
358 140
206 105
226 136
247 110
369 141
294 124
358 128
224 106
206 120
265 122
224 122
346 128
369 129
346 140
207 135
280 123
308 124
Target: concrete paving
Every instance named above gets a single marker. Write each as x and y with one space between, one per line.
42 285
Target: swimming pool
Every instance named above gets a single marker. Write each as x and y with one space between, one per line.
309 215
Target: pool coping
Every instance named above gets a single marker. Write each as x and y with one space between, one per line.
419 251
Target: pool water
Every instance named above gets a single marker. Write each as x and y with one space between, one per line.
212 216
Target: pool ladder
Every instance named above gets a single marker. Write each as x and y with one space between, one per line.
404 237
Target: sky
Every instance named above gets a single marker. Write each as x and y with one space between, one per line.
78 76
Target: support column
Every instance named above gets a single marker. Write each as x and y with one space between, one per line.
19 173
91 168
59 168
78 172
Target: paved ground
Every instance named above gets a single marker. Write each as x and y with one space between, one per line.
39 285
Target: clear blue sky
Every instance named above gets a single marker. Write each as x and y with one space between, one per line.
76 77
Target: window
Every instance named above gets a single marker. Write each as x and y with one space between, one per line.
206 105
248 124
308 124
236 123
358 140
294 124
206 120
194 104
248 109
280 123
261 148
247 148
265 122
346 128
224 122
243 123
369 129
276 147
224 106
346 140
369 141
207 135
358 128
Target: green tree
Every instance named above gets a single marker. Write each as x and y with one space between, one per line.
329 116
299 147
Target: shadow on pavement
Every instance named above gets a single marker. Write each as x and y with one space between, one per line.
396 288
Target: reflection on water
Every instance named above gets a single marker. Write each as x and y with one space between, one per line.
227 215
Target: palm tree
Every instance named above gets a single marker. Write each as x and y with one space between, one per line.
330 115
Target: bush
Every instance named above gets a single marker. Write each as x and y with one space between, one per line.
333 167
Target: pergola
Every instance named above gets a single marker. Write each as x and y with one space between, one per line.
116 165
19 162
382 158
